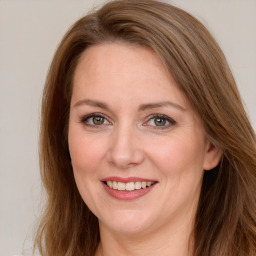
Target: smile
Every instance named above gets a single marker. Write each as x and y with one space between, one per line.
129 186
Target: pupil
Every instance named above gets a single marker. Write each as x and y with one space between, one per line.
160 121
98 120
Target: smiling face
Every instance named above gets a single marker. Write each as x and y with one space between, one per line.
138 149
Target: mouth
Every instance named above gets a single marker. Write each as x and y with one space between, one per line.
128 186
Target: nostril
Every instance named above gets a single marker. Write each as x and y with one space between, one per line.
125 158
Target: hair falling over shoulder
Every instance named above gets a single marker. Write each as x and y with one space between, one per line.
225 224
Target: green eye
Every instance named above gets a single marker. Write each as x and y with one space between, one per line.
98 120
160 121
94 120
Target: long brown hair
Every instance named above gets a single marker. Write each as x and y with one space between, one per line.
225 223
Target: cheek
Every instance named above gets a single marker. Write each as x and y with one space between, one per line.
180 166
86 152
179 154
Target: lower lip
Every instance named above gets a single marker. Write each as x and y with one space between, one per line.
127 195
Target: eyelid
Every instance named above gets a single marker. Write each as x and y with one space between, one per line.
84 118
169 119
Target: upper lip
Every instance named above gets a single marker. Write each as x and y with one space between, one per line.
127 179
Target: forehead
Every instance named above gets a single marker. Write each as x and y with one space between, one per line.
118 69
118 56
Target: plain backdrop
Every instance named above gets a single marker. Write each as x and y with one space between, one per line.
30 31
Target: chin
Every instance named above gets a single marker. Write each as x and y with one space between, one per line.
128 222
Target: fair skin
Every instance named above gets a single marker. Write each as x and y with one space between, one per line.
129 122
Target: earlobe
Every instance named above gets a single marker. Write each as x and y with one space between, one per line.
212 156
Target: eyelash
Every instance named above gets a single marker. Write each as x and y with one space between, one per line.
85 119
163 117
170 121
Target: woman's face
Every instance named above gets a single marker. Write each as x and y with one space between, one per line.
138 149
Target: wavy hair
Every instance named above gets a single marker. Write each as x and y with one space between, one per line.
225 222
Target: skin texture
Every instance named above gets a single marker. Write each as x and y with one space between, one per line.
129 143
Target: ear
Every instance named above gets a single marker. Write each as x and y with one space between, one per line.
212 156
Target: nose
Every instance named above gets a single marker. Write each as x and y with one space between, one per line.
125 150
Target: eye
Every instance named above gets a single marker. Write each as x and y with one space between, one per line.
94 120
160 121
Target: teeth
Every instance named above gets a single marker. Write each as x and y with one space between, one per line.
110 184
114 184
120 186
138 185
130 186
149 183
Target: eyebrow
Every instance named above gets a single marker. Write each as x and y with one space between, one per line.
93 103
142 107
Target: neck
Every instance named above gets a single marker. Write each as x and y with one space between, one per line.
169 240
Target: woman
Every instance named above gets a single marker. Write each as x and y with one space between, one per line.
145 145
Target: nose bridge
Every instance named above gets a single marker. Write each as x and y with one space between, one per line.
124 150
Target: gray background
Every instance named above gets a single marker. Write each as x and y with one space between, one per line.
30 31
